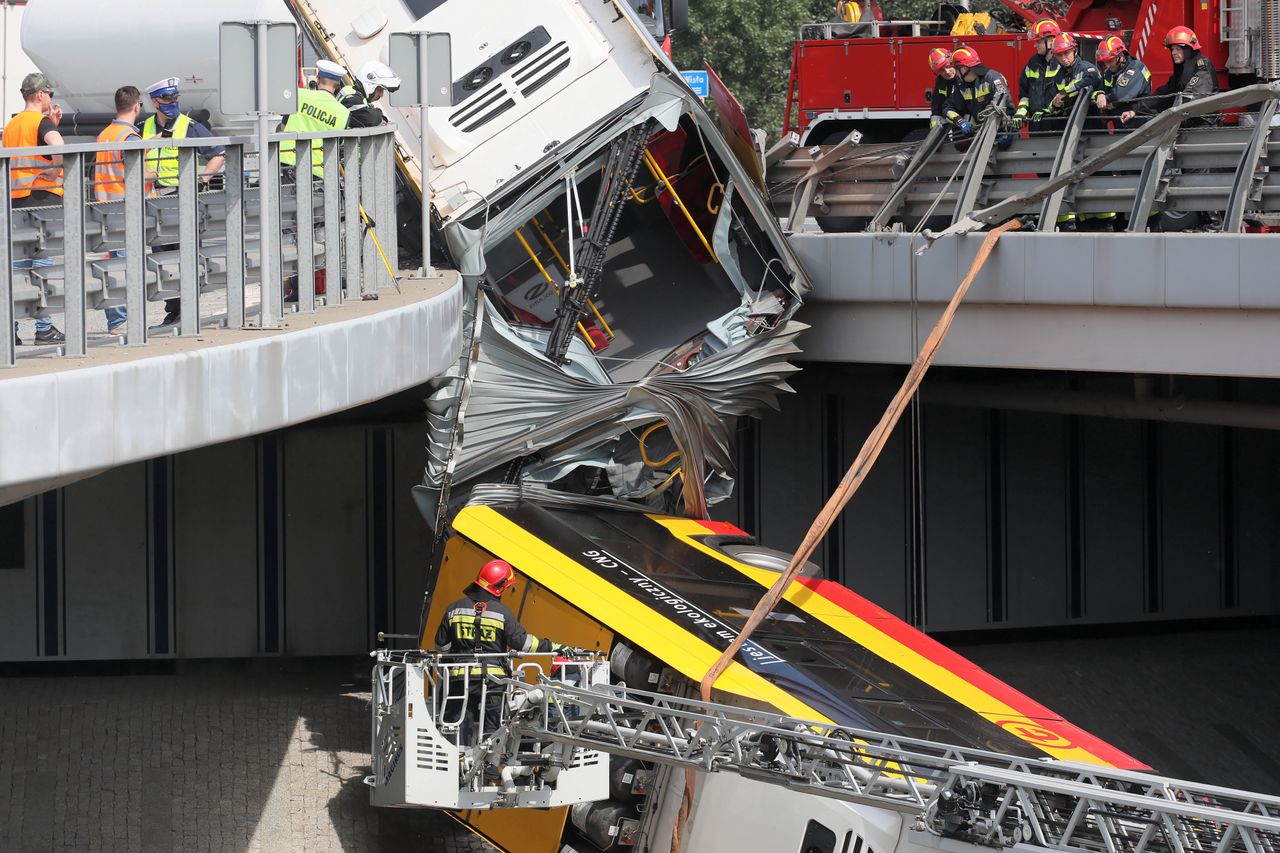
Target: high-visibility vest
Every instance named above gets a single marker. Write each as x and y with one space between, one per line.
23 131
108 171
318 110
164 161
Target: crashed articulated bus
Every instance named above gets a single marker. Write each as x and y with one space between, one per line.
630 296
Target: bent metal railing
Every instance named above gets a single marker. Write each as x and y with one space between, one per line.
189 241
1176 161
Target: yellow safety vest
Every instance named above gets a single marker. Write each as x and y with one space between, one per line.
164 161
318 111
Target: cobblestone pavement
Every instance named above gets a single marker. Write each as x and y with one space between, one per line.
220 757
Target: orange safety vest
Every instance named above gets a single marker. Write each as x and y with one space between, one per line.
22 131
108 171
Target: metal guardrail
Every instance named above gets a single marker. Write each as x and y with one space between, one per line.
1163 165
186 241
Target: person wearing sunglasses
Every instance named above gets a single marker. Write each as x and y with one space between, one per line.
169 122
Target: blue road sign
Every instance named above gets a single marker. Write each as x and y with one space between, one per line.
698 82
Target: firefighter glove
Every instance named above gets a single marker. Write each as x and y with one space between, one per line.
966 126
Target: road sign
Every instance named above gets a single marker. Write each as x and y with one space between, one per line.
415 56
238 60
697 81
425 65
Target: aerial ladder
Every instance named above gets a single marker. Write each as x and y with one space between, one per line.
558 729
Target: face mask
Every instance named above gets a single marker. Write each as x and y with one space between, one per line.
170 110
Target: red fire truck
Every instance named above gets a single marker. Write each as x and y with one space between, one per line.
874 76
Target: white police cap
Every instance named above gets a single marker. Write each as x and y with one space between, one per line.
332 70
163 88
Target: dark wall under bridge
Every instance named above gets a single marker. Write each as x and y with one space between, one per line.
1010 499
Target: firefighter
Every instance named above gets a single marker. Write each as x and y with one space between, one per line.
980 88
479 623
944 83
1125 80
1078 76
1193 74
372 81
1036 83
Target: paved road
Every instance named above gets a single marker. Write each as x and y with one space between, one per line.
243 756
221 757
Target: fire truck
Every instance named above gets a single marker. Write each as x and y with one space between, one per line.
873 76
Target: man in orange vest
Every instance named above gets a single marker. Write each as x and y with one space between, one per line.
36 181
108 170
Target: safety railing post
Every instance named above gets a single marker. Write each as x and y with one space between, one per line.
373 273
269 234
135 247
332 222
233 189
8 352
188 243
305 233
1063 161
73 277
351 218
387 200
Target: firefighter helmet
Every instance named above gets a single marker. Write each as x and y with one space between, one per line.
1064 43
496 576
939 58
1184 36
1046 28
966 57
1111 48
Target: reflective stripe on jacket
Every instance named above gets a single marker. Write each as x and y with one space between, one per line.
108 170
318 111
23 131
481 624
164 161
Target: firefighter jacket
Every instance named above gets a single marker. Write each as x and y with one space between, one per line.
1082 78
942 89
480 623
988 89
1124 87
1195 77
1037 84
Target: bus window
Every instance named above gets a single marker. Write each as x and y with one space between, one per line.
818 839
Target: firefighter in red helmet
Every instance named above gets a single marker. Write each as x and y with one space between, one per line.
1036 82
981 88
944 83
1079 77
479 623
1126 82
1193 74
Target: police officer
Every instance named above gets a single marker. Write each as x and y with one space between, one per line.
944 83
169 122
1078 77
372 81
1193 74
319 110
1037 82
479 623
979 88
1125 80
